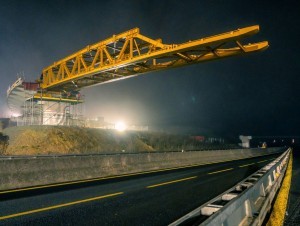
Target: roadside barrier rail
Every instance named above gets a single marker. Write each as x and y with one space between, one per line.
10 157
247 203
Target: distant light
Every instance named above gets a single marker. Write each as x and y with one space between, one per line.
120 126
15 115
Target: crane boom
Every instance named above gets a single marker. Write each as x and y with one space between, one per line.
131 53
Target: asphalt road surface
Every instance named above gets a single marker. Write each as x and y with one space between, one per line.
156 198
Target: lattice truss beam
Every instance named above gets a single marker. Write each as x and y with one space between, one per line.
131 53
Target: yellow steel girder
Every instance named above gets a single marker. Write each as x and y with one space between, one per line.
56 97
131 53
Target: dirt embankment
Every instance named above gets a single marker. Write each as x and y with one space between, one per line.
32 140
44 140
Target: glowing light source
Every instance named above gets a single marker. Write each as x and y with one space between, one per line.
15 115
120 126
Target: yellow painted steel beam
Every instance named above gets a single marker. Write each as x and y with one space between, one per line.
131 53
49 97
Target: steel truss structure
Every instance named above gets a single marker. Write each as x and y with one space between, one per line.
55 100
131 53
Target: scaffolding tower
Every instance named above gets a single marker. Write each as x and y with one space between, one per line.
33 107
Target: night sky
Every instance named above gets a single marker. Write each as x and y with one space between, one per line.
256 94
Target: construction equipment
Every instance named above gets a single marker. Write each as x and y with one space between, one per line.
119 57
131 53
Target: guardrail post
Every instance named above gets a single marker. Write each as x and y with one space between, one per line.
262 191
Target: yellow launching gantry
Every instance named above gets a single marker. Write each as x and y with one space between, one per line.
131 53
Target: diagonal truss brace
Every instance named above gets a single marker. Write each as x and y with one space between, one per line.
131 53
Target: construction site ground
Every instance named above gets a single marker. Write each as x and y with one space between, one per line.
44 140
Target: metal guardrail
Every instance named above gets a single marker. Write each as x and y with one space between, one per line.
247 203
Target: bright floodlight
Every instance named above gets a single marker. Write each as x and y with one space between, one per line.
120 126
